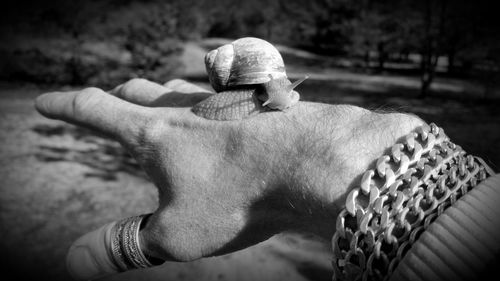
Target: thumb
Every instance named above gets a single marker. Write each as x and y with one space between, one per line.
113 248
88 257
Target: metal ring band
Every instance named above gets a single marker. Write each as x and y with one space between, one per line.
131 244
116 250
137 244
125 247
125 243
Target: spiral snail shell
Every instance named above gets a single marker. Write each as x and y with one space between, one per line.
249 77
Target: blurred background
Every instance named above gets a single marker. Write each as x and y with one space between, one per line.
439 59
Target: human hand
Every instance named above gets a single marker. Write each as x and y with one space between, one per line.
226 185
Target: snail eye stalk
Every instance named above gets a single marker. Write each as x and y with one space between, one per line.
296 83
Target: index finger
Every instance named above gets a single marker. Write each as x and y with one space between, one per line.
92 107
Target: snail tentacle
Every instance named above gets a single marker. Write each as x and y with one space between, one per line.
296 83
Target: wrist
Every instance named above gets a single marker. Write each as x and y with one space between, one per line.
347 143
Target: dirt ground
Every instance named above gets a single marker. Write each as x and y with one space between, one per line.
58 181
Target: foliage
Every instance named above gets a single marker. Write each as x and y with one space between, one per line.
150 34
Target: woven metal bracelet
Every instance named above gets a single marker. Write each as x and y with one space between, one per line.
395 202
125 246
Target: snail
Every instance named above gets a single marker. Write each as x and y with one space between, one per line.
249 77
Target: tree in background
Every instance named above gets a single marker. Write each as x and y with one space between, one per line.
151 33
431 47
68 21
381 29
147 31
464 32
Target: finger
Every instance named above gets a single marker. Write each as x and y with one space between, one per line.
113 248
183 86
179 93
184 94
140 91
94 108
88 257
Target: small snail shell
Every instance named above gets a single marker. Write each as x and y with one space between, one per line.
246 61
249 76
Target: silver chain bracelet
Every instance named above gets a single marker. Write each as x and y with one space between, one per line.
395 202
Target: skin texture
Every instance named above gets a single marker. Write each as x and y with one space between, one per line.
226 185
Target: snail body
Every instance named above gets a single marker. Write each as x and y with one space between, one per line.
230 105
249 77
279 93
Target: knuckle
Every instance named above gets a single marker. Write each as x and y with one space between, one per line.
152 129
172 84
85 100
130 87
134 84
